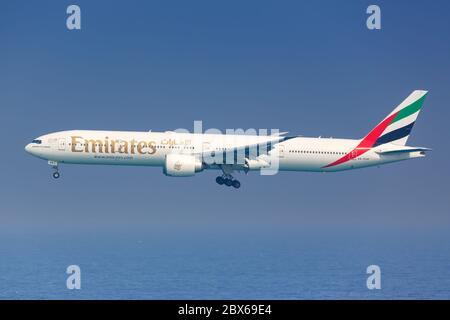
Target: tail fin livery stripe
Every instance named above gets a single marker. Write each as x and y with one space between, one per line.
394 135
400 123
387 131
365 143
376 132
409 110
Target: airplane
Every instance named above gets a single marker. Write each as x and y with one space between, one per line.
185 154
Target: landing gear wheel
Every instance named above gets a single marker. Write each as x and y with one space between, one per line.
236 184
228 182
220 180
56 175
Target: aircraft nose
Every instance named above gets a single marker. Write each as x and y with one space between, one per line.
28 148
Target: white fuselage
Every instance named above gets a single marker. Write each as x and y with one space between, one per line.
152 148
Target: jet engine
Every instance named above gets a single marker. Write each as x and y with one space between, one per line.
255 164
181 165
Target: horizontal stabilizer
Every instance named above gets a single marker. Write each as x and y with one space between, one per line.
401 150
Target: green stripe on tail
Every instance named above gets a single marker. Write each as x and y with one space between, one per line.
409 110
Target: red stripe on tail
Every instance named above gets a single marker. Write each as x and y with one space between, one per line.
366 143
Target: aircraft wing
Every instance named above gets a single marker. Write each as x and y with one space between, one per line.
250 148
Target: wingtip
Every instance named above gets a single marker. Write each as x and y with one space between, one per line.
280 133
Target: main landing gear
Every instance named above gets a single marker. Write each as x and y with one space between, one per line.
226 178
54 165
228 181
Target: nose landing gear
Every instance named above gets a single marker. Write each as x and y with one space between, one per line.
54 165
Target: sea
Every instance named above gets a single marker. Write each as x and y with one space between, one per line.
249 263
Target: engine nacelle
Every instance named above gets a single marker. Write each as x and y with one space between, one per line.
252 164
181 165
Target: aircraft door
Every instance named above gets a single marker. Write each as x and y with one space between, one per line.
62 144
280 151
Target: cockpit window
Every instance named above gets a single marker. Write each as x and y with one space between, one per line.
37 141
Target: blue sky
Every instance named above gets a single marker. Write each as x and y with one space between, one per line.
311 68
